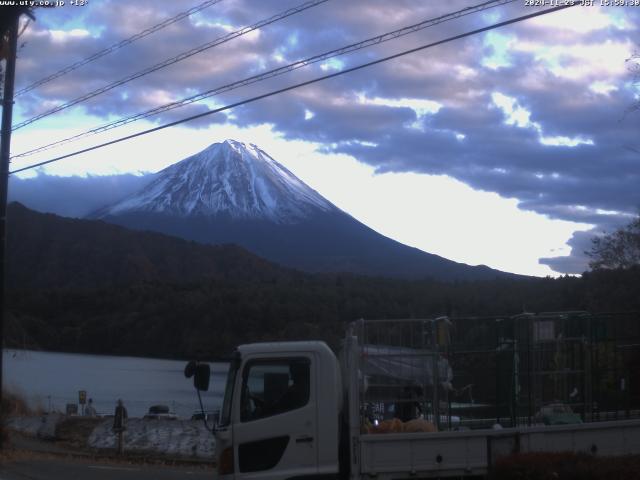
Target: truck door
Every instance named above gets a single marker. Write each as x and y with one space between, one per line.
275 436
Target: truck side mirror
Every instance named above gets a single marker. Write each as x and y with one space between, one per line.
201 373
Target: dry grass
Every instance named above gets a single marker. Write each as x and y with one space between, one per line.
75 431
566 466
9 455
14 404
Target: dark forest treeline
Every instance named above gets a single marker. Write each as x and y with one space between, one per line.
208 318
85 286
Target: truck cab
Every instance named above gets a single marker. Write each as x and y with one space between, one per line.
279 415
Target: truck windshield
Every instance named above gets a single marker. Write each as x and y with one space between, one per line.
225 415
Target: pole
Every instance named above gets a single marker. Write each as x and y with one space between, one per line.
121 442
5 149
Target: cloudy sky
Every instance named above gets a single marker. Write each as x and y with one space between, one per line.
509 148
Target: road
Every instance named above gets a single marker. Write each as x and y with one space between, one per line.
51 468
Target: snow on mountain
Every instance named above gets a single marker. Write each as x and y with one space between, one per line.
229 178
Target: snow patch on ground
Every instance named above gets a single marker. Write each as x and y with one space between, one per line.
174 438
184 438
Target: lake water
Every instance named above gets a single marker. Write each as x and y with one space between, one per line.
51 380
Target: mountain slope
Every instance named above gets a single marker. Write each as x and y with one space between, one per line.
236 193
49 251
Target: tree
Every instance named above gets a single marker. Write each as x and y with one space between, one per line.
620 249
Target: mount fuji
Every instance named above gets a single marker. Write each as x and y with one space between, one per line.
232 192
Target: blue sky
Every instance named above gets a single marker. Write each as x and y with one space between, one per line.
511 148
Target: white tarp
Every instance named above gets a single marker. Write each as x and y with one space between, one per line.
406 365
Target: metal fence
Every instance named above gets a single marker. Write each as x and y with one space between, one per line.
492 372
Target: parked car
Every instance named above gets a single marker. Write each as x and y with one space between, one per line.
208 415
160 412
557 414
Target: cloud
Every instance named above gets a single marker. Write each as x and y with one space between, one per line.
73 196
576 262
534 111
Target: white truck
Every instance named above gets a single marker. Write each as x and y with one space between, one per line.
293 410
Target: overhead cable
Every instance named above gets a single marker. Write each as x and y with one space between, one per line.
170 61
117 46
297 85
273 73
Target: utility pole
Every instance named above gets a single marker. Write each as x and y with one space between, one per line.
5 150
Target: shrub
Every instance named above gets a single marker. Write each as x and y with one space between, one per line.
566 466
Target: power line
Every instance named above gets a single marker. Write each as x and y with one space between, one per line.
298 85
117 46
273 73
172 60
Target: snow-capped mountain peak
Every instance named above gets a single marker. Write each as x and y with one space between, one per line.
229 178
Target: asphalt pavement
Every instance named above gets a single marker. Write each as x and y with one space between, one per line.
77 469
29 458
